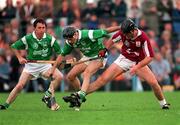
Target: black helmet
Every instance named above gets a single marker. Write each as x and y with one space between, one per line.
127 25
68 32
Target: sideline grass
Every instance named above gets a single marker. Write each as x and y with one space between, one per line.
112 108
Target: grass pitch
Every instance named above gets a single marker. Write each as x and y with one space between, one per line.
110 108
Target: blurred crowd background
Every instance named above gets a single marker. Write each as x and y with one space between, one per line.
160 19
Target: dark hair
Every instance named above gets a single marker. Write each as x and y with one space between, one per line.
39 20
127 25
68 32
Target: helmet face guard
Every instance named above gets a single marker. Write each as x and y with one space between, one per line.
127 26
69 32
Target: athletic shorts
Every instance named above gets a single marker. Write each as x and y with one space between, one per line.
36 69
104 60
124 63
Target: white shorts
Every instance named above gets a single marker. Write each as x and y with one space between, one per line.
103 60
124 63
36 69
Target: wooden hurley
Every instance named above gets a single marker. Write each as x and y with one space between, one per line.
64 64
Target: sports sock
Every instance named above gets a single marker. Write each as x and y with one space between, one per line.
82 94
48 93
6 105
162 102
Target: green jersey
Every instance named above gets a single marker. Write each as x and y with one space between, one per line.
38 49
89 42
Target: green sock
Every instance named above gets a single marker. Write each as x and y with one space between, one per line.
48 93
6 105
82 94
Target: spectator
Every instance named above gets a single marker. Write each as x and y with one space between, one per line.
161 68
65 12
134 11
176 18
149 11
143 24
43 10
9 12
104 9
76 9
77 24
153 39
18 9
29 28
168 27
15 68
165 45
50 4
93 22
7 32
165 38
59 27
176 70
3 44
176 77
177 53
119 10
27 13
15 26
89 10
4 73
50 27
164 8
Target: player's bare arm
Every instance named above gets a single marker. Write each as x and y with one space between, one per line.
21 59
112 29
141 64
110 44
56 64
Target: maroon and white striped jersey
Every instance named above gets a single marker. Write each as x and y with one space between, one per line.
134 49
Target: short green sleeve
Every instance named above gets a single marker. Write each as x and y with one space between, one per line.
57 47
67 49
19 45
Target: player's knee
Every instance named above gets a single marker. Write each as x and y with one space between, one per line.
70 77
153 83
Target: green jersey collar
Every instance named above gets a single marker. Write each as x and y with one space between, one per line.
34 35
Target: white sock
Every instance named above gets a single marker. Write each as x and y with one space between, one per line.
48 93
162 102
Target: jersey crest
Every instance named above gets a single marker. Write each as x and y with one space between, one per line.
35 46
127 43
138 43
